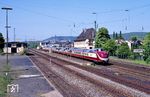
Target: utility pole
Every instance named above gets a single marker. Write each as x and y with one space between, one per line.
7 9
14 35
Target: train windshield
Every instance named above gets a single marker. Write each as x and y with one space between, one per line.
99 49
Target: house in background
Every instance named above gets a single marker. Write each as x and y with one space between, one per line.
86 39
134 43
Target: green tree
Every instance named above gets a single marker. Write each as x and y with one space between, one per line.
101 37
134 38
146 44
1 41
123 51
114 37
120 35
110 46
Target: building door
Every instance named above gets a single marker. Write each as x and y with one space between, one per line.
13 50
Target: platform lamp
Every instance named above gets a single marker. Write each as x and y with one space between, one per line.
7 9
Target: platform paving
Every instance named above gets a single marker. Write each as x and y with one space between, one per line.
28 77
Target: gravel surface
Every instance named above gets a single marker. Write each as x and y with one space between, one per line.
120 87
90 89
137 79
83 79
63 87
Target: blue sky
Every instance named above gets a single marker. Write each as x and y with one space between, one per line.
40 19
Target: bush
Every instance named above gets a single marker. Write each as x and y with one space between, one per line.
123 51
2 86
148 60
4 81
1 51
135 56
132 57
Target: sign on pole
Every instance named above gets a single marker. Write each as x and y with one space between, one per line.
138 50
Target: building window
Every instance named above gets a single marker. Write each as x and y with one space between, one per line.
13 45
19 45
9 45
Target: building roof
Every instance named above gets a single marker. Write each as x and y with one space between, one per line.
16 43
86 34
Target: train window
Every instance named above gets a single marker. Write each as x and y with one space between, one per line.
99 49
86 50
91 51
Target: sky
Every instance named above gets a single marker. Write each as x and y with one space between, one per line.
41 19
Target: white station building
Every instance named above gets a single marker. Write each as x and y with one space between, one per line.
15 47
86 39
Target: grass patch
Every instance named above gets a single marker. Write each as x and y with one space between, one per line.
138 62
7 68
5 79
1 52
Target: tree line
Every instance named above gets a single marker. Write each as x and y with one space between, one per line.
122 50
1 42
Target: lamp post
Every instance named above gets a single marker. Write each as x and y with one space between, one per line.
95 22
96 25
128 18
7 9
14 34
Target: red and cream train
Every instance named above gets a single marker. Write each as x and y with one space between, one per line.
96 55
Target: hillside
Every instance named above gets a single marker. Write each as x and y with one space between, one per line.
127 36
33 44
139 35
61 38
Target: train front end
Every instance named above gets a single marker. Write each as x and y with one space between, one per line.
103 56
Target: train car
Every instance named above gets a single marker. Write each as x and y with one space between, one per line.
96 55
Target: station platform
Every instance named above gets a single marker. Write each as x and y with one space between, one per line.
31 82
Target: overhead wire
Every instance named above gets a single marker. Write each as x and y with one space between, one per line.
73 22
39 13
139 7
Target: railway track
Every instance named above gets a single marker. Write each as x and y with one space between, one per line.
143 70
131 77
65 89
136 74
113 92
142 86
126 79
